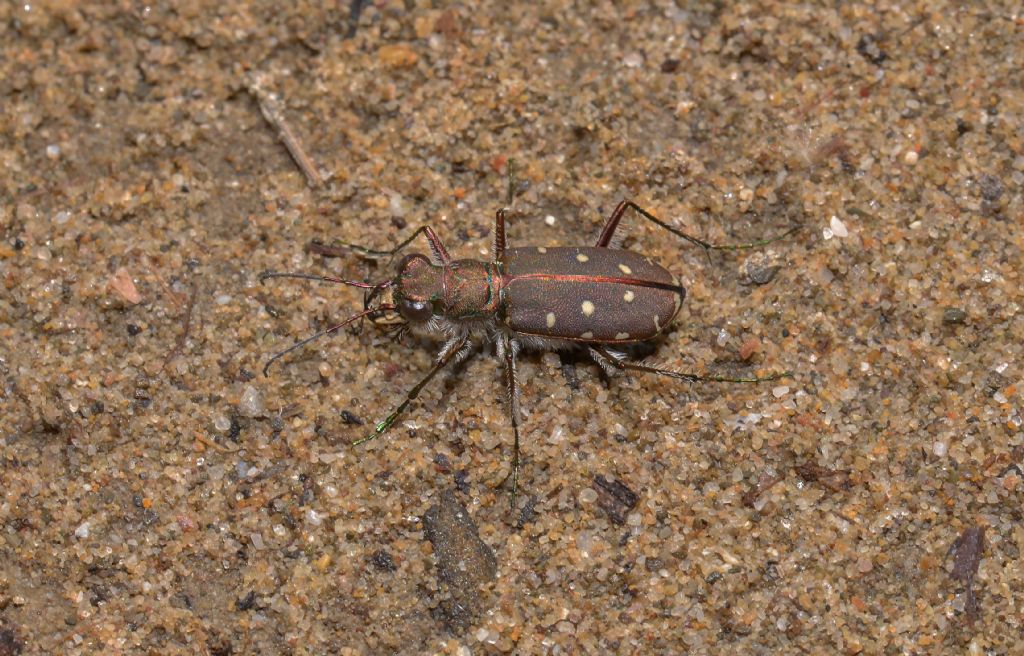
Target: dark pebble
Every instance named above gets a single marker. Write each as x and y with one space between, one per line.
464 562
954 315
9 643
350 419
383 561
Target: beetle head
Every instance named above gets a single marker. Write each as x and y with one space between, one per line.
418 288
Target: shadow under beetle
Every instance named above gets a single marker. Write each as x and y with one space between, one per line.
596 297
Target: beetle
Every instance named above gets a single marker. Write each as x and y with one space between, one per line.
598 297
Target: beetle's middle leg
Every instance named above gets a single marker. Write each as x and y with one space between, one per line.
612 362
610 226
437 248
507 351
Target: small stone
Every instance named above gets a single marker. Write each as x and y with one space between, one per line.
588 495
550 220
82 531
383 561
121 283
749 348
222 423
633 60
398 55
940 448
910 158
780 391
25 212
251 403
759 269
838 227
954 315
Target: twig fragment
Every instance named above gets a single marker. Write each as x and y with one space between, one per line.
271 110
186 328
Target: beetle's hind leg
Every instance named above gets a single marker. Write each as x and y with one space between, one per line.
613 362
610 226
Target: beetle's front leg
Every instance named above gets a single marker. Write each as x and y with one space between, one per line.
455 349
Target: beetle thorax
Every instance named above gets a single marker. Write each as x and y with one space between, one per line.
461 290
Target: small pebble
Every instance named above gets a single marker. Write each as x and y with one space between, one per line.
780 391
838 227
550 220
82 531
759 270
588 495
910 158
222 423
633 60
954 315
251 403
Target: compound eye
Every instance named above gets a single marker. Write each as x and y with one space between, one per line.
414 310
411 261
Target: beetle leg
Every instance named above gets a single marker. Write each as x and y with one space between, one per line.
507 351
503 213
607 358
455 349
441 255
498 251
613 223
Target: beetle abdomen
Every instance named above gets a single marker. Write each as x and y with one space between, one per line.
587 294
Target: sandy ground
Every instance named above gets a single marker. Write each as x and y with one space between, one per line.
160 496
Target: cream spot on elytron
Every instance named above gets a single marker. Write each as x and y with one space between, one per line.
587 335
622 336
581 257
541 249
588 308
657 328
628 296
551 319
625 269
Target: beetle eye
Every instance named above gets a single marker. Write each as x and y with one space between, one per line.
414 310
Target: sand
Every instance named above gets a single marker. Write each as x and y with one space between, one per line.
161 496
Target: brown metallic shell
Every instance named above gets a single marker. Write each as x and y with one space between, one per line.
587 294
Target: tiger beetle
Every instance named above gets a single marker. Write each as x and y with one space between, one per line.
599 298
